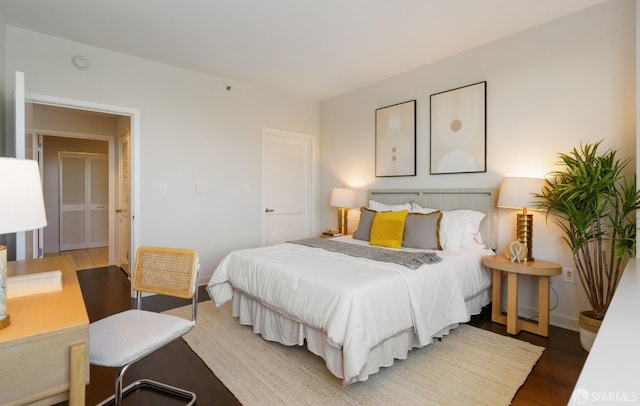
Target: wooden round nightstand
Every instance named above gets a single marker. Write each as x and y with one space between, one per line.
543 270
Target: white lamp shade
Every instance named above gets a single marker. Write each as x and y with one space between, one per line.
519 193
343 197
21 202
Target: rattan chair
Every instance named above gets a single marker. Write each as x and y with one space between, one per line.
124 338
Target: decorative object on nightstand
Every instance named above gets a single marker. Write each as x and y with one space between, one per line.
21 209
520 193
344 199
330 233
596 205
542 269
516 251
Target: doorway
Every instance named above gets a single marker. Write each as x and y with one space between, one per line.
63 132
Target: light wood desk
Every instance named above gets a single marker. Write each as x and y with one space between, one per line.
44 352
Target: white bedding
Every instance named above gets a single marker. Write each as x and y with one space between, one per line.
356 303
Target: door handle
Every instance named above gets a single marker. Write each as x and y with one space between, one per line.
269 210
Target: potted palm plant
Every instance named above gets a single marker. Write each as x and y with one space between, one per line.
594 203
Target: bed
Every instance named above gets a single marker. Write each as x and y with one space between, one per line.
360 313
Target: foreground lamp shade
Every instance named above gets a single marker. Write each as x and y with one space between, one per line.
519 193
343 199
21 209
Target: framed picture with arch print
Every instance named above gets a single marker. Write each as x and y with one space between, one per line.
459 130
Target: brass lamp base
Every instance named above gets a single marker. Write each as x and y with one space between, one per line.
343 220
525 233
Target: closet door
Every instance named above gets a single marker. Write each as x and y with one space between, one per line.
84 196
124 197
98 189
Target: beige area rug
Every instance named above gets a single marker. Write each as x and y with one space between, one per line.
470 366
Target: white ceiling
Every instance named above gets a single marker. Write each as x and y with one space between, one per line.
311 48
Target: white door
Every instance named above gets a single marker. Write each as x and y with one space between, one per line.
287 185
123 212
84 200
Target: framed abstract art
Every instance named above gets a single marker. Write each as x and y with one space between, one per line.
459 130
396 140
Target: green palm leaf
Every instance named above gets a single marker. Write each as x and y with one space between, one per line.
594 205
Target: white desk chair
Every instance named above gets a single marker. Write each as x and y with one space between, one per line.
124 338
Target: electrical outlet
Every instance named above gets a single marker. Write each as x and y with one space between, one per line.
225 246
199 188
567 274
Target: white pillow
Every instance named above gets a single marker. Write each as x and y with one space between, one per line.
377 206
416 208
461 229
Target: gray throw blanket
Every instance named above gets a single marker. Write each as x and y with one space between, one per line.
412 260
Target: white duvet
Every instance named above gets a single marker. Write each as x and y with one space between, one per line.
356 302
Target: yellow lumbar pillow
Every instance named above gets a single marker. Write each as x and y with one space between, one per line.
387 228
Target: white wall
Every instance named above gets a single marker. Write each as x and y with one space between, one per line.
548 89
55 119
192 130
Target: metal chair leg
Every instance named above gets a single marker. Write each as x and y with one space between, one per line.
120 393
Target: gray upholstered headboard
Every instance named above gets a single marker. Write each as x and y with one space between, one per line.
483 200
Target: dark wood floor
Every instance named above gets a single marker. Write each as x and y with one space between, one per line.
107 291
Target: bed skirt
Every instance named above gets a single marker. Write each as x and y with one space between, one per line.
273 326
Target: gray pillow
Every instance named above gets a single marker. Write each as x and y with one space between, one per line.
421 231
364 228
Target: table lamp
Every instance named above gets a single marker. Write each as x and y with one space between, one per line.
343 199
21 209
519 193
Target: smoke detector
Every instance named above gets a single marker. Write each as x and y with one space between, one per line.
80 62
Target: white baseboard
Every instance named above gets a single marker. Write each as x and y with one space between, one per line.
558 320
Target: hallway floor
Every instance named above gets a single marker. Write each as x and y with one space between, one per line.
87 258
